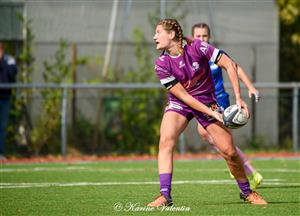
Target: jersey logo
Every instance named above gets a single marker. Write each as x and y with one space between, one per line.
195 66
161 58
204 47
181 64
173 105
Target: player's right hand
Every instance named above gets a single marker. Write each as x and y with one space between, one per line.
218 116
242 104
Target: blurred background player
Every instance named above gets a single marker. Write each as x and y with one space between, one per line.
184 71
202 31
8 71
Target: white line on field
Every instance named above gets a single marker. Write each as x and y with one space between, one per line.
63 169
96 169
76 184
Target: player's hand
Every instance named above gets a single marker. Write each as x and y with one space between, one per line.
218 116
254 92
242 104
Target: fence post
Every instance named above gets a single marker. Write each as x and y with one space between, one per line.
64 121
295 118
163 9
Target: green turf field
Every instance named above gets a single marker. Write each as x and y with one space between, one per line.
200 187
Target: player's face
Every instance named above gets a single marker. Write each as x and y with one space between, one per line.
202 34
162 38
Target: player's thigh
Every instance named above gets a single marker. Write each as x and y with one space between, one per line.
172 125
201 130
222 137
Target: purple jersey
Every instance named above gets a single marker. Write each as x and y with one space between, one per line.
191 69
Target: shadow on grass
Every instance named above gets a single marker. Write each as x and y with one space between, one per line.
278 203
246 203
225 203
278 186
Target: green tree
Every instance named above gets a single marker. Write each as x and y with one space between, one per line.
289 14
47 126
131 117
46 133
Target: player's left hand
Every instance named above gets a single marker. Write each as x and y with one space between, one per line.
254 92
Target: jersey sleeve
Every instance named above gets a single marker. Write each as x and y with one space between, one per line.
224 53
205 50
164 75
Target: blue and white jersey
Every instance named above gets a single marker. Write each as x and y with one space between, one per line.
221 94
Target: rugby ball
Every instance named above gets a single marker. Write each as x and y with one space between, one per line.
234 118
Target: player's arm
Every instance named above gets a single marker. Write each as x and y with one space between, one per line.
225 62
246 80
179 91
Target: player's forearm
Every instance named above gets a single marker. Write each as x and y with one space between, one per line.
197 105
179 91
244 78
231 69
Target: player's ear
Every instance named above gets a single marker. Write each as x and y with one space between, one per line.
172 35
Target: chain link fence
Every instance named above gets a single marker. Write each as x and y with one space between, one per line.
125 118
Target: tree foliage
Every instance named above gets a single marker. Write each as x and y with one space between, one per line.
289 13
132 117
46 129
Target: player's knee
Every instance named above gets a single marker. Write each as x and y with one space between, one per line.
231 154
166 144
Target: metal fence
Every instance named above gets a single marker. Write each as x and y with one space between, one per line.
66 90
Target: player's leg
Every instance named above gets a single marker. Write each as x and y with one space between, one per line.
249 170
205 135
247 166
203 119
254 177
172 125
224 141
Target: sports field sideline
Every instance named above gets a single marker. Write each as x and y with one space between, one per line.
200 187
